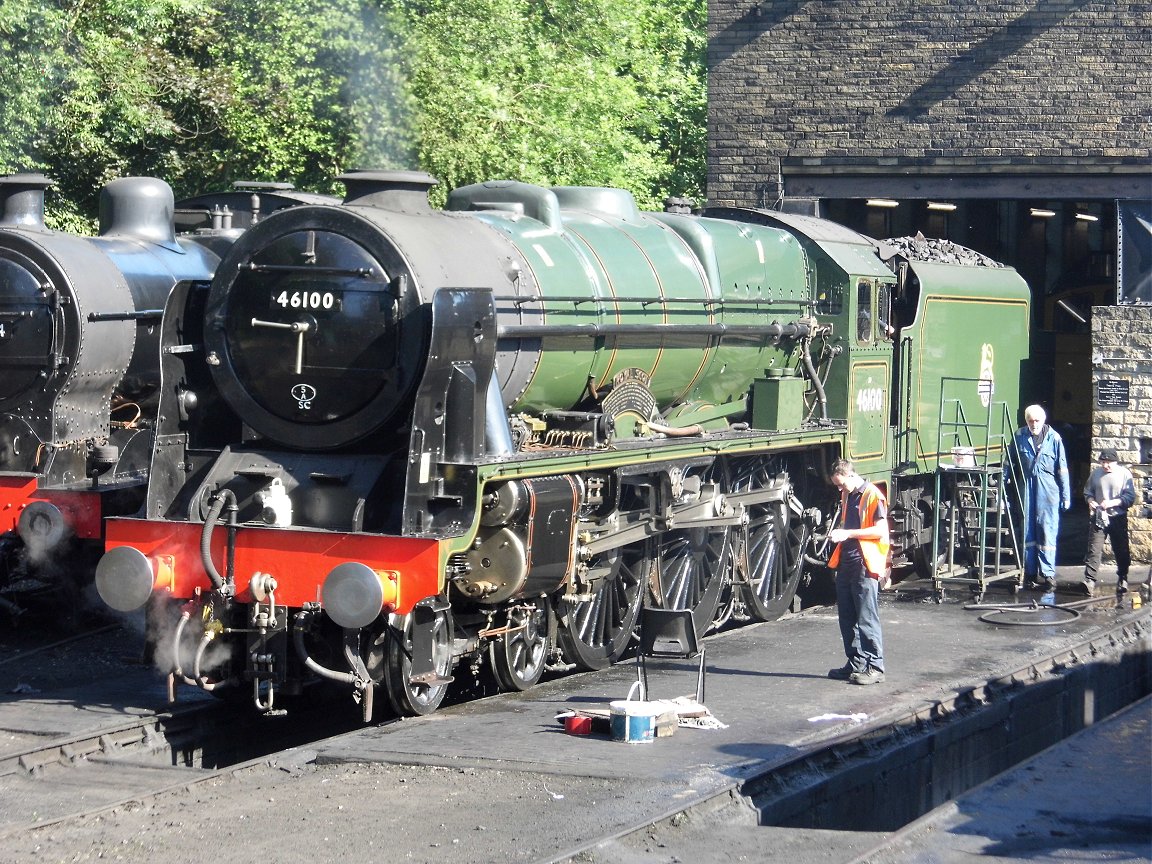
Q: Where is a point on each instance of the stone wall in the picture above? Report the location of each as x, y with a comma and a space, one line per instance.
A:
932, 85
1122, 360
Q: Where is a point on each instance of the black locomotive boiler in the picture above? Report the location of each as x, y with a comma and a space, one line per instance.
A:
79, 364
392, 440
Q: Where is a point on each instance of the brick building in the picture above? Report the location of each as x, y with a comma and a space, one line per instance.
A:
1020, 128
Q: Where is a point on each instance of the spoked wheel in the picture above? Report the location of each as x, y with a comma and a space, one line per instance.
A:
412, 689
596, 626
768, 559
691, 566
519, 655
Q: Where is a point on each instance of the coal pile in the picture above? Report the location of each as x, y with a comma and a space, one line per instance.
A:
921, 248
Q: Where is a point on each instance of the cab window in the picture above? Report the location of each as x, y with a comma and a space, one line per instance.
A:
864, 311
885, 326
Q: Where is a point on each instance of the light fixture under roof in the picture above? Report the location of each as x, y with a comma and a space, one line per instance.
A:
1087, 217
1041, 213
882, 202
940, 205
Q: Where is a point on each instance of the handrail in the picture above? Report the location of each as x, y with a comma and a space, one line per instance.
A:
991, 445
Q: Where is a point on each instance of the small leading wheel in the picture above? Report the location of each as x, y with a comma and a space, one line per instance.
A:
413, 689
596, 624
518, 656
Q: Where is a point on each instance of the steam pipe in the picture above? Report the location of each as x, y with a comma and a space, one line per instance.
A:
772, 331
302, 618
677, 431
201, 679
177, 669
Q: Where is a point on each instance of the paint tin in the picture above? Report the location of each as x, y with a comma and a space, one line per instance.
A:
964, 457
634, 720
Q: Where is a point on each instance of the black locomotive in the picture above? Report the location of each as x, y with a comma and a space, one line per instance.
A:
79, 363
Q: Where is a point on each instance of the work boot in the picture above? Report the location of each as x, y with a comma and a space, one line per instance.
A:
1121, 586
1089, 587
843, 673
871, 675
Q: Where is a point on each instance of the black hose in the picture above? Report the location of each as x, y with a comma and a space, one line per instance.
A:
810, 368
218, 502
302, 619
1004, 608
988, 619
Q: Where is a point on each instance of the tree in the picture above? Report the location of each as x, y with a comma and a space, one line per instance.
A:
206, 92
199, 92
594, 92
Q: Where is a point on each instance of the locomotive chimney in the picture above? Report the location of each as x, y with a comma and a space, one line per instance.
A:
403, 191
22, 200
141, 208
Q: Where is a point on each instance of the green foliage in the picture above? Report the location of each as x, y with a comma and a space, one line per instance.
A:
561, 92
206, 92
199, 92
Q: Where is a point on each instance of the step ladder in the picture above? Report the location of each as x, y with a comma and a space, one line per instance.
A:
977, 507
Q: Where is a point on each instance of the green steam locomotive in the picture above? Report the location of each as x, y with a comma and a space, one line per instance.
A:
395, 441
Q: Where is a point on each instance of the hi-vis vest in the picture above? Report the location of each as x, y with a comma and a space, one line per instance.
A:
875, 552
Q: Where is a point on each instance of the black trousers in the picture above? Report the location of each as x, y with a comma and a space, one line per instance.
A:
1117, 532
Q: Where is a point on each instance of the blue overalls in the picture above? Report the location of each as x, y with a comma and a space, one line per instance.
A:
1046, 491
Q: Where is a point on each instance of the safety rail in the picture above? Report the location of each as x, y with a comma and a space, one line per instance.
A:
977, 502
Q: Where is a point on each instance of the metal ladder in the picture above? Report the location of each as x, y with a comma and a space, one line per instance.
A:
976, 502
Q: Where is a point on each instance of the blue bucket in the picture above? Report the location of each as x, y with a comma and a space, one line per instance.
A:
633, 720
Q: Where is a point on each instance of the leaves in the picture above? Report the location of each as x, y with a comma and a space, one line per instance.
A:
560, 92
206, 92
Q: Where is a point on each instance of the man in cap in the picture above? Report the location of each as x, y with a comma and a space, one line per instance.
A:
1109, 493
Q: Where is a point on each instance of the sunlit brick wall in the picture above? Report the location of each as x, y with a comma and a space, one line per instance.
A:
1019, 84
1122, 352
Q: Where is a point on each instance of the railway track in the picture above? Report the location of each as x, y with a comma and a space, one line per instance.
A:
117, 760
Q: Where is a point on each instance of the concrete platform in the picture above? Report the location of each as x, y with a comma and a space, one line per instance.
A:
1032, 685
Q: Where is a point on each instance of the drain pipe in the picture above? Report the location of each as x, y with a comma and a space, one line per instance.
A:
810, 368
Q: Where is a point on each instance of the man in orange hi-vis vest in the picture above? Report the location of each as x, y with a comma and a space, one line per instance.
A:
860, 559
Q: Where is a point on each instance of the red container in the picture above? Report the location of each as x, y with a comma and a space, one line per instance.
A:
577, 725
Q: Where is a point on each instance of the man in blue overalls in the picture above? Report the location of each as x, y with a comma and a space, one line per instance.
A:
1047, 491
